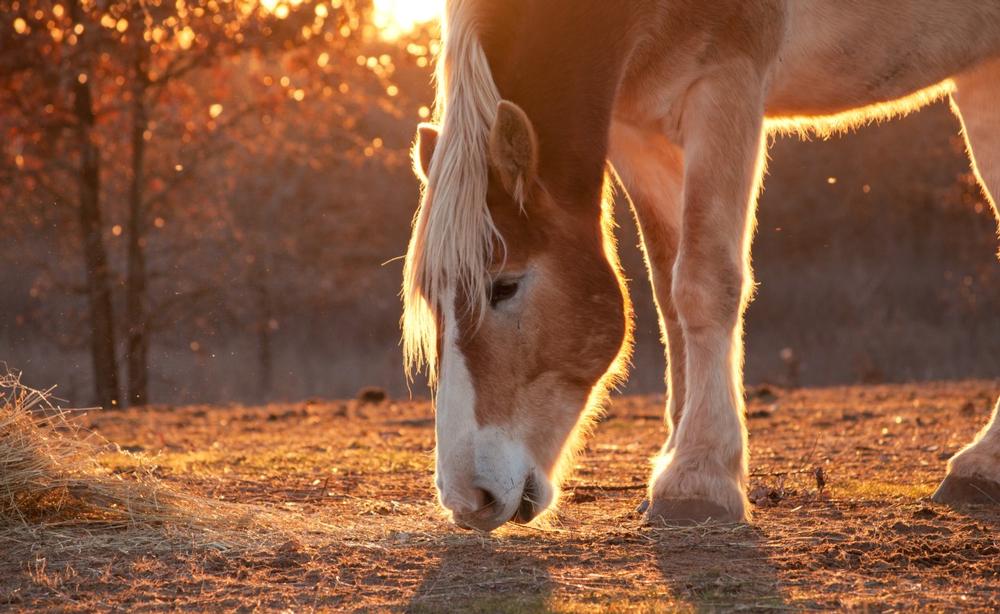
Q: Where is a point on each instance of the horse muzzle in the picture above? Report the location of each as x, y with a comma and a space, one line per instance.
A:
493, 509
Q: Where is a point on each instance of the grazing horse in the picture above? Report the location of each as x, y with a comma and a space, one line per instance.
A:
514, 300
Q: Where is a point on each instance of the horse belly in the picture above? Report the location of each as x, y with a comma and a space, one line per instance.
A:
839, 56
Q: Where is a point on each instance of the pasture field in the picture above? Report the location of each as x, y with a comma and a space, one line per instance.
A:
331, 507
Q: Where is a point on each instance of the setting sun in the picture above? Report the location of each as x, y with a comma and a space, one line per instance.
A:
397, 17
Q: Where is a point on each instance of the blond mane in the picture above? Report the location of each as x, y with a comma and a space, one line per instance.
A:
453, 233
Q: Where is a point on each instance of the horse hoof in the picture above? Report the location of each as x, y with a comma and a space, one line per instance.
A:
956, 489
687, 512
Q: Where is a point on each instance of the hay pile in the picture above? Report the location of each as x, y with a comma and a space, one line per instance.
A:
54, 489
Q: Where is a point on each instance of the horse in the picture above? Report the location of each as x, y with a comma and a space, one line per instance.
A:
514, 300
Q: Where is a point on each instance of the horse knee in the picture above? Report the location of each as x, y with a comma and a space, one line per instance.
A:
708, 295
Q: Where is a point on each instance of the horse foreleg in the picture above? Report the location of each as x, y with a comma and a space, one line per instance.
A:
651, 169
704, 475
974, 473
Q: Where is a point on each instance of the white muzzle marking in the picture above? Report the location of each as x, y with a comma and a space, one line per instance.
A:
470, 458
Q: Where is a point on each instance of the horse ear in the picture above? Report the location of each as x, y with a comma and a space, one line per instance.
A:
427, 138
514, 149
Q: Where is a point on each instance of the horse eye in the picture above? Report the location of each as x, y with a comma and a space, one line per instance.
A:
501, 291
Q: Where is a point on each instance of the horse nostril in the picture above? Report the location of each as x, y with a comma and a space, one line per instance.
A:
528, 508
486, 500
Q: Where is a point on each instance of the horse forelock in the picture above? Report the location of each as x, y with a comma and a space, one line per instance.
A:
453, 233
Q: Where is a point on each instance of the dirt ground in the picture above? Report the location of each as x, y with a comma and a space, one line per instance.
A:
841, 480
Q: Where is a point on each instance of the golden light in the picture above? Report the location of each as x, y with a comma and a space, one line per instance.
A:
394, 18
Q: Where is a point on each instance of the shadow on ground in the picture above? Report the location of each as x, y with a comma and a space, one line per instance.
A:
719, 568
473, 573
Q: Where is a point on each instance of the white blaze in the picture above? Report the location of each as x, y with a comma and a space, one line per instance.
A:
471, 457
455, 421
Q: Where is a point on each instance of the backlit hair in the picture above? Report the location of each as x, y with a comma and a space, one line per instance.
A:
453, 233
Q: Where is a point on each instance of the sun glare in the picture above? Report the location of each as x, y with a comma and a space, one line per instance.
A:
395, 18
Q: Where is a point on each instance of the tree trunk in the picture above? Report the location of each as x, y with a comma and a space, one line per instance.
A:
137, 346
265, 359
95, 256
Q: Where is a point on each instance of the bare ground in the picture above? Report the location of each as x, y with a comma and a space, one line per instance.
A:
355, 525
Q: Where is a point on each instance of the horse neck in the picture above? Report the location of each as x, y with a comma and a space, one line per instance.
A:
562, 61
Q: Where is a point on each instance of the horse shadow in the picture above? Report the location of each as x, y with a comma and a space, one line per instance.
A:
716, 568
479, 573
703, 568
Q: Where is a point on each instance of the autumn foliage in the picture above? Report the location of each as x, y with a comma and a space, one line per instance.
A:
143, 138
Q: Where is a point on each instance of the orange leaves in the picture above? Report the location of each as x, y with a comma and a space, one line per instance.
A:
110, 22
185, 37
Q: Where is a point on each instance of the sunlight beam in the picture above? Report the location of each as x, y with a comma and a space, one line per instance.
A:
394, 18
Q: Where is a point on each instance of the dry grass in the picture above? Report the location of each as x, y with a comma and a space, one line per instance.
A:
54, 490
50, 475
